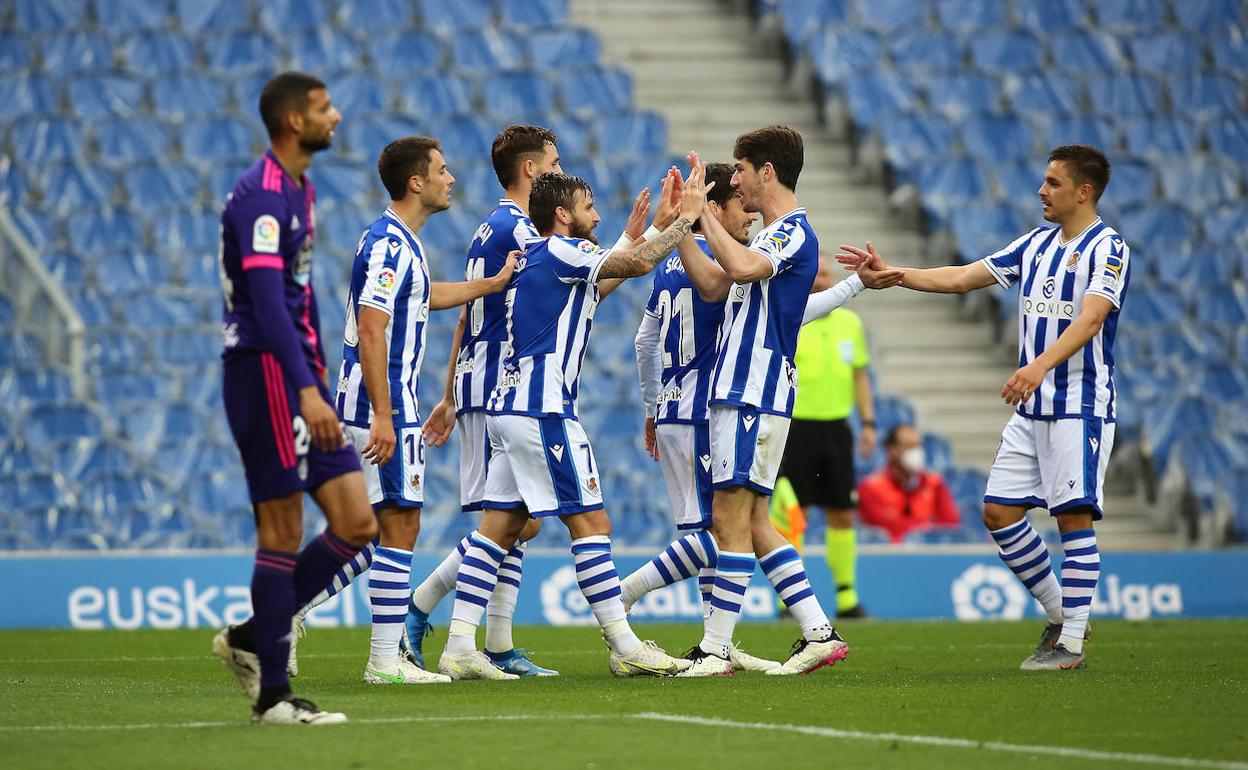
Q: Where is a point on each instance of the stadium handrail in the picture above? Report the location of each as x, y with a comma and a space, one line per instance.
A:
64, 341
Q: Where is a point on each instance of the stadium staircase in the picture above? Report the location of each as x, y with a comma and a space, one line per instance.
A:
713, 69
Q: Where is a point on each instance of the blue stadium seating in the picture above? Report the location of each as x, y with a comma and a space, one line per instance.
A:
1198, 183
197, 16
894, 15
527, 14
1161, 137
573, 135
15, 52
487, 49
518, 96
41, 140
122, 142
875, 97
1167, 52
561, 47
68, 186
1228, 137
35, 16
285, 16
449, 19
73, 53
102, 96
131, 15
1008, 50
909, 138
218, 139
400, 54
1206, 94
837, 57
184, 94
130, 270
1229, 47
363, 14
159, 53
1206, 16
1044, 94
157, 186
28, 95
242, 53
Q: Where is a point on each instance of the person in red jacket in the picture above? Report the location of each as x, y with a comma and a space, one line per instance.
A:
902, 495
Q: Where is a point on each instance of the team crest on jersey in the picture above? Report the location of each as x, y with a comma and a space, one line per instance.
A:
592, 484
416, 480
265, 234
1072, 263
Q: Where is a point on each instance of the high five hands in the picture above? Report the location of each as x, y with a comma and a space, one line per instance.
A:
870, 266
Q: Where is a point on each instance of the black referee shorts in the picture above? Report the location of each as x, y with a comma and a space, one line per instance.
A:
819, 463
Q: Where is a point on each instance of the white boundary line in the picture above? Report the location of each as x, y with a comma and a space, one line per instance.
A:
821, 732
958, 743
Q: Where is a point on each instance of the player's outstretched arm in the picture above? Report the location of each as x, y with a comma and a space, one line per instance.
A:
447, 294
634, 233
1091, 318
642, 258
706, 275
371, 324
441, 421
951, 279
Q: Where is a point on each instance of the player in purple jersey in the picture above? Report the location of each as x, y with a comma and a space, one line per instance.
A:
277, 399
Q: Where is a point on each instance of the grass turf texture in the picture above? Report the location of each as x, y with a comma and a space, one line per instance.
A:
1171, 688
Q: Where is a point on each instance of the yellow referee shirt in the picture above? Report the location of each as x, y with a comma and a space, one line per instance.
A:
828, 351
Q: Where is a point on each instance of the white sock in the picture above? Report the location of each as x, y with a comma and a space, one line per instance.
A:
600, 585
1080, 571
389, 583
502, 607
477, 577
681, 560
1025, 553
732, 575
706, 584
787, 575
441, 581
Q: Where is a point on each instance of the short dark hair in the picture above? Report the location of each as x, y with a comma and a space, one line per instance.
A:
891, 439
550, 191
284, 93
513, 144
781, 146
1086, 164
403, 159
721, 175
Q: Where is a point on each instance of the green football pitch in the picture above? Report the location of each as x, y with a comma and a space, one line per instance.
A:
910, 695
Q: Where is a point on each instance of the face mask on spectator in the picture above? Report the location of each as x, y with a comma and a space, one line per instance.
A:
914, 459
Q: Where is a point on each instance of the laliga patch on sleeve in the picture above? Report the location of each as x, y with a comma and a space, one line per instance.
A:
265, 234
384, 284
586, 247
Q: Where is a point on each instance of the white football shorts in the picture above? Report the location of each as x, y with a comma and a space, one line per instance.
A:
542, 463
1054, 464
474, 457
685, 457
400, 482
746, 447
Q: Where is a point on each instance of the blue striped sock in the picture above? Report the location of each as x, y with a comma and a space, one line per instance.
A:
732, 575
787, 575
600, 585
478, 574
502, 606
1025, 553
389, 584
706, 584
1080, 571
442, 580
344, 577
682, 559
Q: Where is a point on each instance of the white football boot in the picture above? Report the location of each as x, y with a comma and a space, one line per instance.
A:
401, 671
471, 665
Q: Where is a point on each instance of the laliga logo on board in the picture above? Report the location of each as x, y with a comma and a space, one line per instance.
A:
562, 601
986, 592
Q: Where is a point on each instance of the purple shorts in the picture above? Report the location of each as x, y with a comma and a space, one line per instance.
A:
272, 437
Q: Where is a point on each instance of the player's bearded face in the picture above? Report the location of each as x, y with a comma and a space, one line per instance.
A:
320, 120
584, 218
736, 220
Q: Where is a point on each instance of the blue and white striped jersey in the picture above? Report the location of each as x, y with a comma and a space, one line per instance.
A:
390, 275
506, 229
688, 331
1054, 277
550, 311
754, 363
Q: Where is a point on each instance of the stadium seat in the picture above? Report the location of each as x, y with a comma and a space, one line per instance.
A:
527, 14
1043, 94
959, 96
1088, 50
1206, 460
573, 136
1152, 307
356, 95
106, 227
104, 96
189, 232
198, 16
130, 270
54, 422
1226, 306
518, 96
894, 15
596, 91
1083, 129
948, 183
89, 460
131, 15
911, 138
466, 136
116, 350
633, 134
343, 181
132, 386
7, 314
22, 387
1206, 94
187, 347
427, 97
1131, 15
184, 95
242, 53
980, 230
1227, 382
487, 50
14, 185
211, 493
111, 494
558, 48
967, 16
40, 140
1167, 52
219, 139
166, 185
999, 137
282, 17
360, 14
943, 535
15, 52
73, 53
17, 460
1228, 225
157, 54
26, 95
400, 54
1133, 182
122, 142
38, 16
838, 56
1198, 183
223, 176
877, 96
1005, 50
1229, 48
452, 19
1053, 15
69, 186
921, 51
1163, 228
1124, 94
1161, 137
1208, 16
1228, 137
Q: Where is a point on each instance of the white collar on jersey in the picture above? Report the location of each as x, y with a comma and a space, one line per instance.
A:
390, 213
1062, 244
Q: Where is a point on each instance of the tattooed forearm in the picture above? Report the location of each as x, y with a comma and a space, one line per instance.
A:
641, 259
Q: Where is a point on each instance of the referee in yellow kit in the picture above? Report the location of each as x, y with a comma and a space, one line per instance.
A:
818, 463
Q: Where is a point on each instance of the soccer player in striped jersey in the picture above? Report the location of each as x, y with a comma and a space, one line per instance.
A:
384, 343
541, 462
676, 346
520, 154
277, 399
1054, 450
